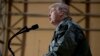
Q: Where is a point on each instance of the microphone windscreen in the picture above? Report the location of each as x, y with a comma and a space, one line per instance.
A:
35, 27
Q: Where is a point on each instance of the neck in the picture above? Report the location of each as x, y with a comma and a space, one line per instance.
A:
61, 18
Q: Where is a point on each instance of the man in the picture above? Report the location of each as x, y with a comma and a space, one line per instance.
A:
68, 39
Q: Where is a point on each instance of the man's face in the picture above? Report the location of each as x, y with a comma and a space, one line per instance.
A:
54, 16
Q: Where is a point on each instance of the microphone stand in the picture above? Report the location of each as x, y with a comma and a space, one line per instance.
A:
24, 29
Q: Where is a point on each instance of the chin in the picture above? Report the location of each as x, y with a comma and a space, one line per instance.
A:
52, 22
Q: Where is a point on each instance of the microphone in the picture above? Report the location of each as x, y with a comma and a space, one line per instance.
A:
33, 27
25, 29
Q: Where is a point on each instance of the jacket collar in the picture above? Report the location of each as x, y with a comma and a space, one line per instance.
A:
62, 22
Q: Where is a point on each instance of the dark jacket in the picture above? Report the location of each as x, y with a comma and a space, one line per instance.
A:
68, 40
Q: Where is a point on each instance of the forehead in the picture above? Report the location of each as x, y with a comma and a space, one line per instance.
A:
52, 9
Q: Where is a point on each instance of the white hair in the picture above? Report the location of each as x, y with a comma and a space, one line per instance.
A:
61, 6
